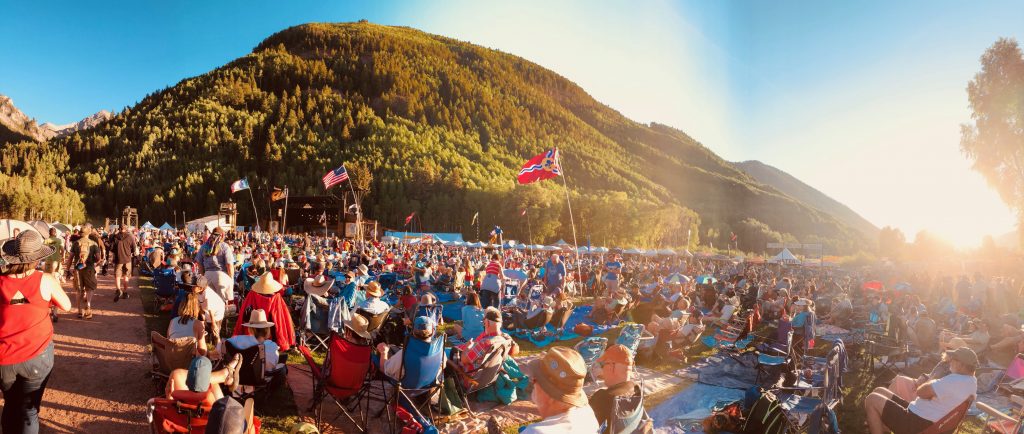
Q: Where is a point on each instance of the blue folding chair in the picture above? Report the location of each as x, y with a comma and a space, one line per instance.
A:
812, 409
421, 378
630, 336
591, 349
166, 290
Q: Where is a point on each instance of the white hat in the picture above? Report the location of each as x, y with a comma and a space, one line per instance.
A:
258, 320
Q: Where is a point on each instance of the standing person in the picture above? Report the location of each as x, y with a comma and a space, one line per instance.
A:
52, 264
26, 332
86, 253
612, 270
124, 252
216, 261
558, 394
554, 275
490, 286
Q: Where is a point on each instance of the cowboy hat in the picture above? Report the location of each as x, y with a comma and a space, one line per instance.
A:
258, 320
26, 248
317, 283
362, 269
359, 325
373, 289
266, 285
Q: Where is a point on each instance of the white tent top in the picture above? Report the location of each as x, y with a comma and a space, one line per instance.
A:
561, 243
520, 247
687, 253
784, 257
166, 227
7, 227
667, 252
599, 250
633, 251
207, 223
147, 225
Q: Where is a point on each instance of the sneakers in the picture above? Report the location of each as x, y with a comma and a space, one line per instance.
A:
117, 296
124, 295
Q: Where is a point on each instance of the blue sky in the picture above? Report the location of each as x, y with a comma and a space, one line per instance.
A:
862, 100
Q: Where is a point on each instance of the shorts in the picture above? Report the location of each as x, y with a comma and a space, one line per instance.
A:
611, 286
900, 419
51, 267
87, 279
122, 270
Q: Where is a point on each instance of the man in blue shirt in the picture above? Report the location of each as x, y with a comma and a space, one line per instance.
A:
554, 275
612, 269
348, 290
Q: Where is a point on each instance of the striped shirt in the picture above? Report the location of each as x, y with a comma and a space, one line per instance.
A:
493, 268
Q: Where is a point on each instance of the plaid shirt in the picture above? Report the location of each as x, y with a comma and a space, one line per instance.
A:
474, 351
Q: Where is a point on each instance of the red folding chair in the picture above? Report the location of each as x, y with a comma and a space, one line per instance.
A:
951, 422
342, 378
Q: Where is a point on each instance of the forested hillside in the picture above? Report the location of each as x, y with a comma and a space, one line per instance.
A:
443, 125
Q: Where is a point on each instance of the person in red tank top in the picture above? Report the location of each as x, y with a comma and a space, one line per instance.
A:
26, 331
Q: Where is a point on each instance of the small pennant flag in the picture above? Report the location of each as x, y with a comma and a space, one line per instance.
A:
278, 194
409, 219
474, 218
241, 184
323, 218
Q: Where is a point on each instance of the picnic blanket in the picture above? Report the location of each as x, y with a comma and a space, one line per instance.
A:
579, 315
682, 413
737, 372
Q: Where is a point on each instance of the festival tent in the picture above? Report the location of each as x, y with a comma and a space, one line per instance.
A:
583, 249
633, 252
784, 257
41, 227
561, 243
551, 248
7, 227
63, 228
667, 252
687, 253
207, 223
520, 246
148, 226
519, 275
739, 258
599, 250
166, 227
651, 252
477, 244
435, 235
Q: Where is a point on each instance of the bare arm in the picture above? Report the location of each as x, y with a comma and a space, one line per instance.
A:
51, 290
925, 391
199, 331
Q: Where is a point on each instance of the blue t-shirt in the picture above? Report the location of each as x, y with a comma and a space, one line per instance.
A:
612, 266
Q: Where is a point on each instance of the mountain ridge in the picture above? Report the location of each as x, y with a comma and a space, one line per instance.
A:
16, 125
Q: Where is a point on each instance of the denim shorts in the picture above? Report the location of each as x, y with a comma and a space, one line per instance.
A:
36, 368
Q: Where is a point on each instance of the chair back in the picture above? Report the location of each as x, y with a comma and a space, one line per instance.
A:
785, 327
346, 366
421, 361
254, 359
433, 311
488, 372
171, 355
628, 413
294, 275
591, 349
630, 336
375, 321
952, 420
163, 282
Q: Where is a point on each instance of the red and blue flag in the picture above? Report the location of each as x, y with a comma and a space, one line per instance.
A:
540, 167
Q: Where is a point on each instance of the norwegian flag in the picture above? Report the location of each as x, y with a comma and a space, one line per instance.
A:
335, 177
540, 167
409, 219
732, 236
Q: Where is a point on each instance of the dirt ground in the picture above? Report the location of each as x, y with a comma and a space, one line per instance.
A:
97, 383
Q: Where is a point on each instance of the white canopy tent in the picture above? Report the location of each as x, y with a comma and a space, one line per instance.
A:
667, 252
7, 227
784, 257
207, 223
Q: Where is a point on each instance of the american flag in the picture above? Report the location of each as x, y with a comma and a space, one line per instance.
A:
335, 177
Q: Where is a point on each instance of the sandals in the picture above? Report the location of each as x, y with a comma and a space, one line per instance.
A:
232, 368
88, 314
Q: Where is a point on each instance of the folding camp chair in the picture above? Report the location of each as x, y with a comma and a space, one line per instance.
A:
483, 376
164, 286
773, 359
812, 409
536, 326
343, 377
951, 422
421, 379
630, 336
885, 350
254, 380
433, 311
186, 412
169, 355
1011, 380
628, 413
314, 326
1002, 423
591, 349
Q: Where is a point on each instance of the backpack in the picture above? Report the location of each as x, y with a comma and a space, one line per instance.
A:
629, 415
766, 416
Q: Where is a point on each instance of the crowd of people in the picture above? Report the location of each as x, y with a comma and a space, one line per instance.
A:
383, 294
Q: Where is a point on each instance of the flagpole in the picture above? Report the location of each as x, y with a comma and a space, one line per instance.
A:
284, 220
528, 226
572, 221
254, 208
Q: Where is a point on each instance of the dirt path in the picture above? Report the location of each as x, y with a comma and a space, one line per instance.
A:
98, 382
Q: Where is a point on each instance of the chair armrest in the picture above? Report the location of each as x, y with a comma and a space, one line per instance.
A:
987, 409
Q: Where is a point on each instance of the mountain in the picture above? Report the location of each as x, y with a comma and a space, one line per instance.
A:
15, 126
792, 187
442, 126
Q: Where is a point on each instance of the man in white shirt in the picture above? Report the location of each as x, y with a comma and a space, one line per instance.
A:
934, 399
558, 394
373, 304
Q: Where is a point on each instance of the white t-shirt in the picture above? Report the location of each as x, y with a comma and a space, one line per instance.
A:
727, 311
243, 342
950, 391
578, 420
214, 303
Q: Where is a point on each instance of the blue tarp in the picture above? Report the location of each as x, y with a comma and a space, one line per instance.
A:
450, 237
690, 406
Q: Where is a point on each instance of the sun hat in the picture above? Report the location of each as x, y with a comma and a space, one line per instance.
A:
617, 353
258, 320
266, 285
362, 269
27, 247
199, 371
964, 355
559, 372
359, 325
373, 289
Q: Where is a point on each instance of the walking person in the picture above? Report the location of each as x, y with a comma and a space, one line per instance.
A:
490, 286
86, 253
124, 249
26, 332
216, 261
52, 264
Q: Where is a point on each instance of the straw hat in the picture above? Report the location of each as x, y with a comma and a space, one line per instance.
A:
27, 247
359, 325
560, 372
373, 289
317, 283
258, 320
266, 285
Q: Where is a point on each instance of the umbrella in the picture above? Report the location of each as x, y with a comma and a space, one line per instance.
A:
903, 286
519, 275
874, 285
7, 227
706, 279
677, 279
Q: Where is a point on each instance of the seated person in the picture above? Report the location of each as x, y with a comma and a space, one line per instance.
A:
391, 360
522, 320
258, 332
521, 304
210, 302
373, 305
931, 400
976, 339
841, 314
616, 370
356, 330
348, 289
470, 327
608, 310
558, 394
473, 352
200, 377
188, 323
319, 285
1011, 338
724, 308
924, 334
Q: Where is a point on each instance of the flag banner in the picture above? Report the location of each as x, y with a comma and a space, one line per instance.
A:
335, 177
241, 184
540, 167
409, 219
474, 218
732, 236
496, 231
278, 194
323, 218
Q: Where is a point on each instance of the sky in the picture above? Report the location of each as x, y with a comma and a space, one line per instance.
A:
861, 100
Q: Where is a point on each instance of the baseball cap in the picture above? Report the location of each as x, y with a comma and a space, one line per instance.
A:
492, 314
617, 353
199, 371
424, 323
964, 355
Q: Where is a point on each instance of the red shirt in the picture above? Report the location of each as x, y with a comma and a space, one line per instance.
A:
25, 329
493, 268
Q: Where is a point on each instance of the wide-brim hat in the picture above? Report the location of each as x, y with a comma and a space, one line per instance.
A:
27, 247
362, 269
258, 320
266, 285
359, 325
318, 282
374, 289
560, 373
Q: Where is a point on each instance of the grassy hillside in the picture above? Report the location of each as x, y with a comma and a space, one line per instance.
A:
443, 125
